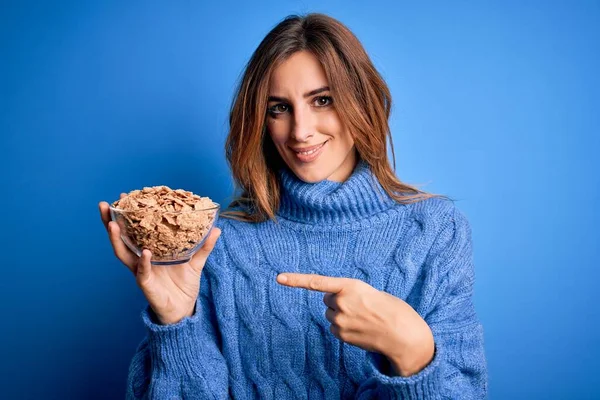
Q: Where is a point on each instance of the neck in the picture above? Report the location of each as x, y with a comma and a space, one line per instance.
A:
330, 202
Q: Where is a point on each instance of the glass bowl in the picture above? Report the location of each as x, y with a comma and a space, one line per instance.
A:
173, 237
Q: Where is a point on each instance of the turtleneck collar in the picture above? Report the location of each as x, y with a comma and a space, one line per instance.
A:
329, 202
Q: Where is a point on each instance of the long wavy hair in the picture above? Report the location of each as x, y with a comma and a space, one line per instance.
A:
362, 100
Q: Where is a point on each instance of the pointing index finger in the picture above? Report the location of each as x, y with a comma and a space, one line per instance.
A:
320, 283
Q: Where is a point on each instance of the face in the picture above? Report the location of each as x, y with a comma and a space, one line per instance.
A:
304, 125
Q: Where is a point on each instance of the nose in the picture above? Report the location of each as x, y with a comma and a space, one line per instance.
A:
303, 127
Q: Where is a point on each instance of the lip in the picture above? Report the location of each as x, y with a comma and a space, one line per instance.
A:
308, 158
308, 148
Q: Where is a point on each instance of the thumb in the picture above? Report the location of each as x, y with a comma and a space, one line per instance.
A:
144, 268
199, 259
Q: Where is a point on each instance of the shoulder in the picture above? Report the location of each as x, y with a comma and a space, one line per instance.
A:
233, 230
450, 252
443, 230
237, 244
437, 214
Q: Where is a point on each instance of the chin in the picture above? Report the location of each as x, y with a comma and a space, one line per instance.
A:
313, 180
312, 176
308, 178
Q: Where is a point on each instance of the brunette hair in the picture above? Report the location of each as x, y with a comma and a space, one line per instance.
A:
361, 97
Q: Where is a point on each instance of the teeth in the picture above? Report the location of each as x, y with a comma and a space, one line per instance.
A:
310, 151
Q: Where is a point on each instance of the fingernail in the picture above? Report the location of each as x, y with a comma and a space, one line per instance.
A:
282, 278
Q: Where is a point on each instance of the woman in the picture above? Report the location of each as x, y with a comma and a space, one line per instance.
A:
330, 278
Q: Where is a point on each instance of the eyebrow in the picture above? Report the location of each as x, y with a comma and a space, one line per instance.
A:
311, 93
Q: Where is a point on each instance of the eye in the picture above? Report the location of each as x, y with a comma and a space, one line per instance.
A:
323, 101
278, 109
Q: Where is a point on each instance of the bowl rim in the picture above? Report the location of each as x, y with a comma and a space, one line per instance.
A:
120, 210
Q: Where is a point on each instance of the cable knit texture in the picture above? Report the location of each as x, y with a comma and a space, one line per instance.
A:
252, 338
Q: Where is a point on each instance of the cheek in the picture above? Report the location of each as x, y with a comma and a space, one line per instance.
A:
342, 133
278, 130
348, 139
331, 124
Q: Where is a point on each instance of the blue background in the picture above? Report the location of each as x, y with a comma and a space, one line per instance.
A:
495, 105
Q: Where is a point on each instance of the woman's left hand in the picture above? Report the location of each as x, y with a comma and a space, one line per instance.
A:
372, 320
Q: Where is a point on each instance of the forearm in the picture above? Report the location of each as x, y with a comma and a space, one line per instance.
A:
179, 360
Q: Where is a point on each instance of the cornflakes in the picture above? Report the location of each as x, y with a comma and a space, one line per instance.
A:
167, 222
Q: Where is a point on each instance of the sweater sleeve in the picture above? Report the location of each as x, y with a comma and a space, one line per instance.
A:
181, 360
458, 369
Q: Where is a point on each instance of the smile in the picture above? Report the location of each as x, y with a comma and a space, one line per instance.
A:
310, 155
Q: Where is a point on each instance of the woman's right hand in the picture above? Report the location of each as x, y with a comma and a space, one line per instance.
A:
171, 290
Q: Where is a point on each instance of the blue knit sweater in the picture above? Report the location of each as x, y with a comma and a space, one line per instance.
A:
252, 338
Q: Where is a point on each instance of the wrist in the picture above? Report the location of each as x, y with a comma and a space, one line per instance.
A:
171, 320
409, 366
415, 360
